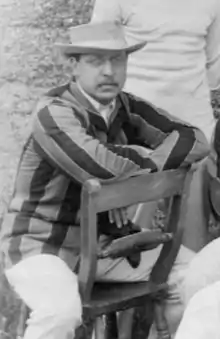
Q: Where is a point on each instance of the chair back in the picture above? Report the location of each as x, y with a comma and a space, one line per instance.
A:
98, 197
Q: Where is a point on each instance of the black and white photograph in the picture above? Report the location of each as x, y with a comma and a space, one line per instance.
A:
110, 169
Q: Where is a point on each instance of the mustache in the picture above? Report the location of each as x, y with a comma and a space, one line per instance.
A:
108, 83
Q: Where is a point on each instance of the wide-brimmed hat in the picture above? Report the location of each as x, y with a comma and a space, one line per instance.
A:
98, 36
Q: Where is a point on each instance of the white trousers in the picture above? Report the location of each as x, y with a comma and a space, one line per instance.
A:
50, 289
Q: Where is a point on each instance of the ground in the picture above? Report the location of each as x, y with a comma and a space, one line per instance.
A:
29, 65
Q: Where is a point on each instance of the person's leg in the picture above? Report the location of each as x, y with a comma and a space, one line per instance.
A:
195, 234
50, 289
120, 270
202, 315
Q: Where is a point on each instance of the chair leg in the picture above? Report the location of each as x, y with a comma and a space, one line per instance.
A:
125, 323
23, 316
99, 328
160, 319
143, 319
111, 328
85, 331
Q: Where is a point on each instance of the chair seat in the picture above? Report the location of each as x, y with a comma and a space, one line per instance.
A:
111, 297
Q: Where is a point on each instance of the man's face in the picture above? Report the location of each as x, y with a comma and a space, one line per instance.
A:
101, 75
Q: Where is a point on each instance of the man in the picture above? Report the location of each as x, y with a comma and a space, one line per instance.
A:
87, 128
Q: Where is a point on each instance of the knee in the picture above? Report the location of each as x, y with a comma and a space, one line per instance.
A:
70, 310
65, 311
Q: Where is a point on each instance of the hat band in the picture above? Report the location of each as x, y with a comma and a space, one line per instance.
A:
101, 44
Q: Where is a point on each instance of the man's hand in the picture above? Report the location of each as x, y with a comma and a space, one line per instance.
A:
118, 216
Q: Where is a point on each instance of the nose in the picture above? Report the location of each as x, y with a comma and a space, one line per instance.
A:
107, 68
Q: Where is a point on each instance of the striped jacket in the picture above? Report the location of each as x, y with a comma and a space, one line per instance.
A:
70, 143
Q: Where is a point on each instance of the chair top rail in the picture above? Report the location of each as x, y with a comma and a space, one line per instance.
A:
143, 188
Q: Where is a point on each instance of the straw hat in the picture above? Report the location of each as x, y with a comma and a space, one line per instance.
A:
95, 37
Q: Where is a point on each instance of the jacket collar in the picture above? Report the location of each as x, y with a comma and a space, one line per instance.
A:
73, 97
98, 106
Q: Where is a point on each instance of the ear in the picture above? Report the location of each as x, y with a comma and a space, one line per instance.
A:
74, 64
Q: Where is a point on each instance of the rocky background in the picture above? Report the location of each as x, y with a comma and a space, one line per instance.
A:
29, 66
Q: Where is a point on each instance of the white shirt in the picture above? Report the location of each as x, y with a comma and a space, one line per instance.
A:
104, 110
181, 60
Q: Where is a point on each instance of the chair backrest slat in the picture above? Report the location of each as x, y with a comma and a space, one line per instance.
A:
88, 240
170, 250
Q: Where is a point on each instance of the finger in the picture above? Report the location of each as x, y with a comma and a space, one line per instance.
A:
124, 216
110, 216
117, 218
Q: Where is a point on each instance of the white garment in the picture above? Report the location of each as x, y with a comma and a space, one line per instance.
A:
201, 292
181, 59
203, 271
201, 319
50, 289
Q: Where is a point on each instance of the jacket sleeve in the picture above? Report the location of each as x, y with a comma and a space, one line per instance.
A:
180, 144
213, 49
60, 137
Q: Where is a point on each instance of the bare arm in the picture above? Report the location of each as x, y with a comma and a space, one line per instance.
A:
107, 10
213, 49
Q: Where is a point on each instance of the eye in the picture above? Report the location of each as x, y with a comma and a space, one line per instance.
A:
118, 58
96, 61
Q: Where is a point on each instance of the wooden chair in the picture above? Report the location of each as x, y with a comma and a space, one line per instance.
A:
108, 298
101, 301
